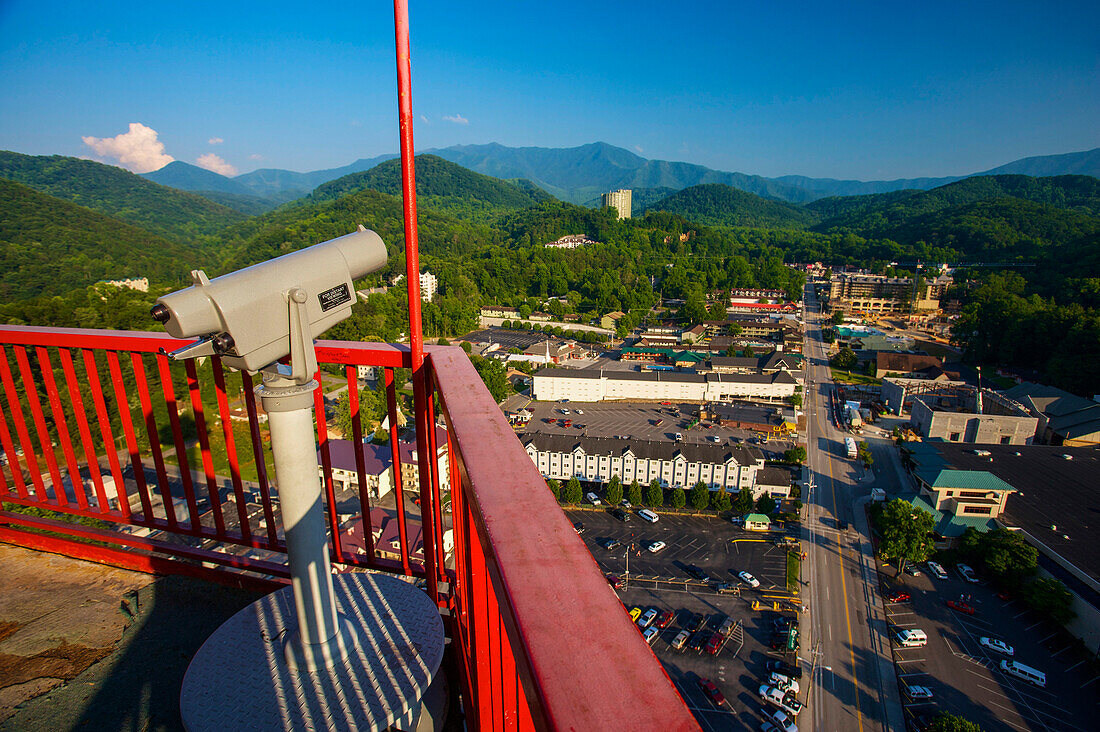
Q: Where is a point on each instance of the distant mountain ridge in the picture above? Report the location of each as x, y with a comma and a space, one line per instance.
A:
580, 174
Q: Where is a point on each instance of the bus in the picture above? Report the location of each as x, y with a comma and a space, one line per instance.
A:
850, 446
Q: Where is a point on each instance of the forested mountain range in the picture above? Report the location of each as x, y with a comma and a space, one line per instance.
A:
715, 204
50, 247
440, 185
167, 212
580, 174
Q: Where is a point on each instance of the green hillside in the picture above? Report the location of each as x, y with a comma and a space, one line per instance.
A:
881, 214
716, 204
49, 247
167, 212
440, 185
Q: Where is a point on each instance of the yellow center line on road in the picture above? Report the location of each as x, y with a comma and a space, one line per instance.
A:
843, 583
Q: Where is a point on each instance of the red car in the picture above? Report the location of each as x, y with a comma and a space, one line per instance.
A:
615, 581
666, 618
896, 596
960, 607
715, 644
712, 692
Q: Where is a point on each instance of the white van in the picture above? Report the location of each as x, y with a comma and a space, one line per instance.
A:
648, 515
1027, 673
911, 637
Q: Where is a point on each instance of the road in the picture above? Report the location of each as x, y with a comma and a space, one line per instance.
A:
854, 687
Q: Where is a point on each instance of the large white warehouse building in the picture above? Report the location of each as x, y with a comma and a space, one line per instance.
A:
593, 385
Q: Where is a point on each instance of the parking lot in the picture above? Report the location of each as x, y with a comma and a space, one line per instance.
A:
660, 581
643, 421
965, 678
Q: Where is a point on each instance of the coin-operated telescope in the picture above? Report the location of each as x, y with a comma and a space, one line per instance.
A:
255, 316
251, 319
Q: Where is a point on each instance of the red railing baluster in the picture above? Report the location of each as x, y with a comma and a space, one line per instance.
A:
153, 434
212, 490
231, 450
352, 376
53, 397
132, 449
168, 389
44, 439
5, 435
259, 456
326, 468
91, 371
437, 499
77, 404
398, 479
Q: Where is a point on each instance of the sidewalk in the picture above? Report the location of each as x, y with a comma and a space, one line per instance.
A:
877, 621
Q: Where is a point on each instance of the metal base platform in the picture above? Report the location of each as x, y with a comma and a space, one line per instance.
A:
240, 680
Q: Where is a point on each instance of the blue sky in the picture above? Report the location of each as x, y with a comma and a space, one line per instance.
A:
867, 90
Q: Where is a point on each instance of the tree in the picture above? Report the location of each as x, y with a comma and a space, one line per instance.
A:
838, 318
654, 496
795, 400
700, 496
494, 374
634, 495
945, 722
614, 490
765, 504
573, 491
905, 531
743, 503
372, 407
845, 359
1049, 598
736, 330
555, 488
443, 342
717, 310
1007, 556
863, 452
720, 500
748, 352
677, 498
796, 454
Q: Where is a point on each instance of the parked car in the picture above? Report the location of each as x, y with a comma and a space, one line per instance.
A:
725, 588
998, 645
647, 620
578, 527
911, 569
563, 411
611, 544
727, 626
779, 698
712, 692
665, 619
918, 693
626, 504
615, 581
656, 546
698, 640
936, 570
967, 573
786, 683
748, 579
620, 514
593, 499
650, 635
579, 411
680, 640
782, 667
783, 722
698, 573
635, 613
896, 596
961, 607
715, 644
695, 622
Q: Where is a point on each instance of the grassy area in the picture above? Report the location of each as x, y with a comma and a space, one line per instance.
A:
793, 566
245, 459
841, 376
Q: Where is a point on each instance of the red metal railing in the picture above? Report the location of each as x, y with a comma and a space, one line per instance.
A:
101, 425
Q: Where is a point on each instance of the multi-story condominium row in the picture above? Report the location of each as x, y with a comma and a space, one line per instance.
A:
599, 385
880, 294
674, 464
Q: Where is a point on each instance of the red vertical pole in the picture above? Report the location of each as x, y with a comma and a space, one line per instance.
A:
412, 276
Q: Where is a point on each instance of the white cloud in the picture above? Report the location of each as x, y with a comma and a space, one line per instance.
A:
639, 148
138, 150
425, 120
255, 156
458, 119
212, 162
215, 141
